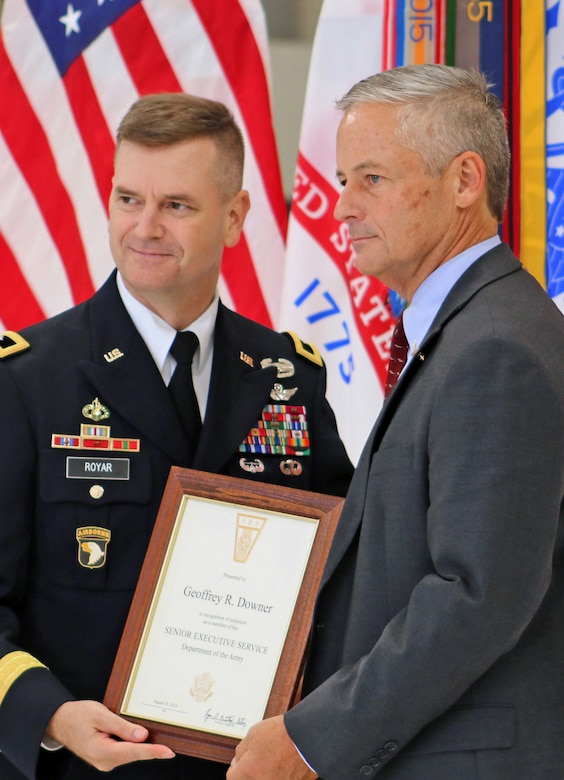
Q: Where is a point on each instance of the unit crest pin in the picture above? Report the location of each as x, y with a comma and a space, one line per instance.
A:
291, 468
96, 411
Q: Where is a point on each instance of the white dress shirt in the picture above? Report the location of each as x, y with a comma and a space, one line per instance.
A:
158, 335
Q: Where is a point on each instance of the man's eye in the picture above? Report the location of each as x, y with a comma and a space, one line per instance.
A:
176, 206
374, 178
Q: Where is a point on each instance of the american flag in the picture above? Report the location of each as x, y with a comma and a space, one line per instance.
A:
68, 73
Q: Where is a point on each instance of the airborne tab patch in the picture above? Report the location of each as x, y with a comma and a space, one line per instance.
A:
11, 343
92, 546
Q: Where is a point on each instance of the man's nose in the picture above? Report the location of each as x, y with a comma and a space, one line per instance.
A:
347, 206
149, 224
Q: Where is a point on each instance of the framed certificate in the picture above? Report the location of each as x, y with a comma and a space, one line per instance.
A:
216, 635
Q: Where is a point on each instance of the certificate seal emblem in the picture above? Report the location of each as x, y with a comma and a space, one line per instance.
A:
249, 528
202, 688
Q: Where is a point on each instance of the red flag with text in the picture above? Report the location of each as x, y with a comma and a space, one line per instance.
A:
68, 73
350, 317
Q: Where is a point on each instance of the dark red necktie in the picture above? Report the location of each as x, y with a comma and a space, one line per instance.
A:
398, 356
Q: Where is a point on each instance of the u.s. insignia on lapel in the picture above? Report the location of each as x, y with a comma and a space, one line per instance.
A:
113, 354
92, 546
246, 359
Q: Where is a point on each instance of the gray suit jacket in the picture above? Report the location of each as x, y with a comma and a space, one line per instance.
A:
438, 643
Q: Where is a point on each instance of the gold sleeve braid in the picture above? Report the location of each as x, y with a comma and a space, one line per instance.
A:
12, 666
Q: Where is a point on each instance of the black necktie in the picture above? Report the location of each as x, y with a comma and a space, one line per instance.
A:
181, 385
398, 355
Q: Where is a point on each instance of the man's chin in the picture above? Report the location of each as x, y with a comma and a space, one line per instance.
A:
366, 264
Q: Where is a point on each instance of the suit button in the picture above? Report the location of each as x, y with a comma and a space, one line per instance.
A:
390, 746
368, 768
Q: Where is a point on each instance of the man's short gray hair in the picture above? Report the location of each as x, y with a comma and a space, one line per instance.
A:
444, 111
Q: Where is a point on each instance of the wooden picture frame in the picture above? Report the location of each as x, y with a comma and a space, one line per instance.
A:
219, 623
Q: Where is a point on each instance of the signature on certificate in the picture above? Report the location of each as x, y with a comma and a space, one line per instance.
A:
222, 719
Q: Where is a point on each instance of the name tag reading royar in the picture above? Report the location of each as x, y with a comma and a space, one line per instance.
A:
101, 468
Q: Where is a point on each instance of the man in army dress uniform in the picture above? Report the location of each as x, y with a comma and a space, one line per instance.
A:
90, 431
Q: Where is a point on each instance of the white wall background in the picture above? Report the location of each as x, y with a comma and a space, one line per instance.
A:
291, 27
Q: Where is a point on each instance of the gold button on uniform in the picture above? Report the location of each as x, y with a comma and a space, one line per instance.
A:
96, 491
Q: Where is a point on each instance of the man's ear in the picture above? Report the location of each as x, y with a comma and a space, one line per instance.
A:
469, 172
237, 210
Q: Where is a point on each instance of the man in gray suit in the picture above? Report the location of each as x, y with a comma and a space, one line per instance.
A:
438, 642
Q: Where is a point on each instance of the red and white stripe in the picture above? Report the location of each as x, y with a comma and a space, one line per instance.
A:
57, 145
325, 299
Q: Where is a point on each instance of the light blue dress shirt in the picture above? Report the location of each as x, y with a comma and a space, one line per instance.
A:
431, 294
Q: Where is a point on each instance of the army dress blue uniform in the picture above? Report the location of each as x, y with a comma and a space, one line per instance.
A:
62, 611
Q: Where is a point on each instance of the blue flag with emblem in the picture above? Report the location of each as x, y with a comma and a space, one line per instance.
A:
555, 152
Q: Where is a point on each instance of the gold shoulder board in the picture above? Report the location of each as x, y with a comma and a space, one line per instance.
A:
11, 343
308, 351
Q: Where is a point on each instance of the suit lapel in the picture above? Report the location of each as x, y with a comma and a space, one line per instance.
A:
352, 513
495, 264
238, 393
125, 375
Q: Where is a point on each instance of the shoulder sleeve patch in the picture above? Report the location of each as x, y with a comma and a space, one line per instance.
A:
308, 351
11, 343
